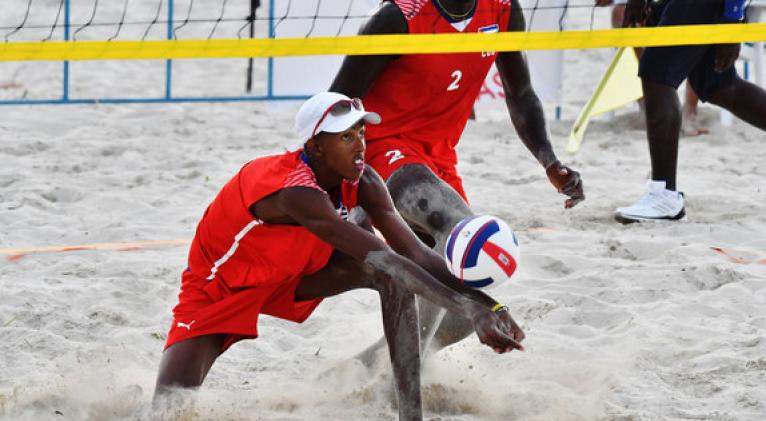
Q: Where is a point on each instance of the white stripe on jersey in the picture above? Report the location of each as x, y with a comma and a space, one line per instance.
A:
233, 248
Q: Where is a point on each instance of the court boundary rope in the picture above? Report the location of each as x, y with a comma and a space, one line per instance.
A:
16, 254
13, 254
382, 44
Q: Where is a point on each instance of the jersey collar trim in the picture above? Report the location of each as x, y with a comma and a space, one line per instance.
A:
449, 19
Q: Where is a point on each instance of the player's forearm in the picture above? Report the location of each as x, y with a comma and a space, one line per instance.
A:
420, 282
529, 120
434, 264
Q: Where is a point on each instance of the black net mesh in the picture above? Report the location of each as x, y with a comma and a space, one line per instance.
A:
44, 20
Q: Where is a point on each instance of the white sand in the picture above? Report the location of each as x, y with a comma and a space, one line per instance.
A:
623, 322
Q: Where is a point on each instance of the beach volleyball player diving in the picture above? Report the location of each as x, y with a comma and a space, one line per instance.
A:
278, 238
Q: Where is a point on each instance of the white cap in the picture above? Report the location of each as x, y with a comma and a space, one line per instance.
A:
318, 108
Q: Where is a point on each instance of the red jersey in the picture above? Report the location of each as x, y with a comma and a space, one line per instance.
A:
240, 267
427, 98
233, 247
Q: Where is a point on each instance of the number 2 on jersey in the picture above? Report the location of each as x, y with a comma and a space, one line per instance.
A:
394, 155
457, 75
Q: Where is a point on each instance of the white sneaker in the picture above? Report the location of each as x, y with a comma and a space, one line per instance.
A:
657, 203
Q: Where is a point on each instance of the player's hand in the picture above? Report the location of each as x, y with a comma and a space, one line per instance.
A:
514, 330
636, 12
725, 56
497, 331
604, 2
566, 181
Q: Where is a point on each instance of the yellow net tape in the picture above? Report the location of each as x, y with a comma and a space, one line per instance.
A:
382, 44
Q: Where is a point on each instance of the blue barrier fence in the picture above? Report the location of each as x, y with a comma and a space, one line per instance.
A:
168, 97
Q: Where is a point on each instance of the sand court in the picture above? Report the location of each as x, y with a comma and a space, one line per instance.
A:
646, 321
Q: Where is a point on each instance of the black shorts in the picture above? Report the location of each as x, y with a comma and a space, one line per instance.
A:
671, 65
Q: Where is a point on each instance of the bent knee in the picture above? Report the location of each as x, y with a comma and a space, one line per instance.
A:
431, 213
436, 220
390, 289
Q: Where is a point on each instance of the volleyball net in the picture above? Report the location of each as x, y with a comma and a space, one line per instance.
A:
175, 29
163, 30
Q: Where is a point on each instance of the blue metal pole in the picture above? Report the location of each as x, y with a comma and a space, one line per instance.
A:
272, 34
169, 63
65, 96
159, 100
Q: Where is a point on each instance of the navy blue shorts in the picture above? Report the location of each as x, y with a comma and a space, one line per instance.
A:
671, 65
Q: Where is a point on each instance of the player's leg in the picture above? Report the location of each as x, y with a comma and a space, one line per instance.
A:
662, 69
690, 123
186, 363
433, 207
400, 324
745, 100
400, 321
660, 201
663, 124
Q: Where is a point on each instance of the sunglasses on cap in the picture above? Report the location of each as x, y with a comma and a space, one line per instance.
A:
338, 109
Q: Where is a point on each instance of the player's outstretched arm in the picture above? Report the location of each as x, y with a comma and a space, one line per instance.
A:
529, 119
377, 203
312, 209
375, 199
358, 73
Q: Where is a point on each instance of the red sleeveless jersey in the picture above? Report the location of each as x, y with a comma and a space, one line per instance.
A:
427, 98
240, 267
232, 247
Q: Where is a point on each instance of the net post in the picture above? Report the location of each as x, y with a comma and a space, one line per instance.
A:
65, 94
270, 71
758, 63
169, 62
254, 4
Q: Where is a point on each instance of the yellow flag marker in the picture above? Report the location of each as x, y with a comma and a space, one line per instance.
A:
619, 86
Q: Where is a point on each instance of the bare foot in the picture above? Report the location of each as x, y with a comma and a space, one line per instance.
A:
691, 126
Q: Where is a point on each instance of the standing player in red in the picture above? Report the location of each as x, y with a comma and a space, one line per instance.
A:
425, 101
276, 240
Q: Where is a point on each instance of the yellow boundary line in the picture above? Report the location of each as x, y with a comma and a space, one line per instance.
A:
382, 44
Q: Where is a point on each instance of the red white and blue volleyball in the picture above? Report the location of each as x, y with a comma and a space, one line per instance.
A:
482, 251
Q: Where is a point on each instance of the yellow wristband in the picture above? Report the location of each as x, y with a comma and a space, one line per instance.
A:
499, 307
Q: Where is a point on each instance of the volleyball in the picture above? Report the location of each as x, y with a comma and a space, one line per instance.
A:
482, 251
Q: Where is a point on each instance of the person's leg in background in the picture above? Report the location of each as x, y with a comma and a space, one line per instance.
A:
662, 69
691, 124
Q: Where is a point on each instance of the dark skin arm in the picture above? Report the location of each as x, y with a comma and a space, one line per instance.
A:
374, 198
528, 118
636, 12
358, 73
313, 210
